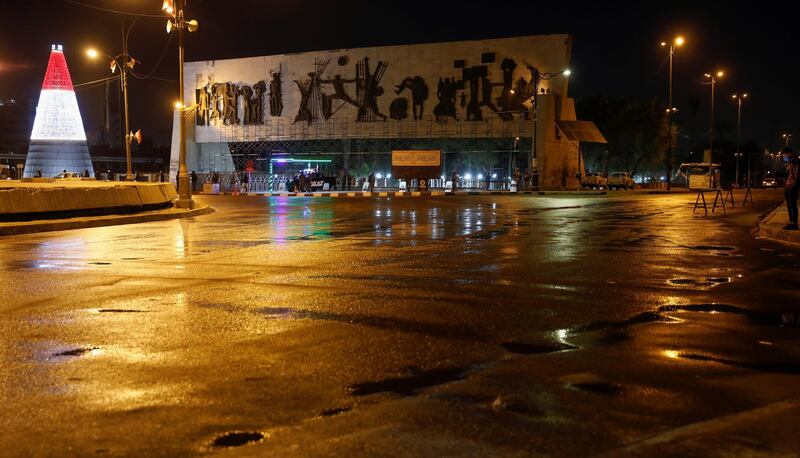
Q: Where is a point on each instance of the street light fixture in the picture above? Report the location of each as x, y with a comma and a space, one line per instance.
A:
676, 43
536, 78
180, 24
125, 63
739, 98
713, 82
787, 138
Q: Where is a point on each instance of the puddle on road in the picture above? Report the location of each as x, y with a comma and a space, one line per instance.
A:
711, 247
759, 318
604, 388
698, 282
782, 367
120, 311
334, 411
409, 385
644, 317
522, 348
237, 439
75, 352
489, 235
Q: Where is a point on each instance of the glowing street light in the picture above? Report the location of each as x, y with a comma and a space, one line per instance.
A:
676, 43
180, 24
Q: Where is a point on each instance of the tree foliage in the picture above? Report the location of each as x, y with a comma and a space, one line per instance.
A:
636, 131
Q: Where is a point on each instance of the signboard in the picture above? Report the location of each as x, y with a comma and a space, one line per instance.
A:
250, 166
416, 158
420, 164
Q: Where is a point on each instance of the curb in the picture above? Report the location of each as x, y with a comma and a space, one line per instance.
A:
28, 227
774, 230
346, 194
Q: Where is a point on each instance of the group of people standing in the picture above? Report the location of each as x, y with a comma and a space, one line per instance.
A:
524, 182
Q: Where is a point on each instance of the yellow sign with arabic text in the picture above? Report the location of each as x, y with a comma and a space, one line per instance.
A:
416, 158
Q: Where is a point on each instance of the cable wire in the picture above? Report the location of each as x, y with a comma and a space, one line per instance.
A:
109, 10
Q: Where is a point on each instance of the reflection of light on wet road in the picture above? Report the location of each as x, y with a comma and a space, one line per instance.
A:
671, 354
561, 336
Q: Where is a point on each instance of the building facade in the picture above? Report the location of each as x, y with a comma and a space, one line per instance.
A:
465, 98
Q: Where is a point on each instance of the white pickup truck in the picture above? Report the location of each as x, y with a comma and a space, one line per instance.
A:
594, 180
620, 180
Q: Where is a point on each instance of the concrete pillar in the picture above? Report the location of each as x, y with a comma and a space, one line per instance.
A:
557, 157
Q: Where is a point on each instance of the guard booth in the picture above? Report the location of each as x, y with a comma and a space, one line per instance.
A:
700, 175
420, 165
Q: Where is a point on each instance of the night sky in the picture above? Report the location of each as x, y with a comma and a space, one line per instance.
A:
616, 49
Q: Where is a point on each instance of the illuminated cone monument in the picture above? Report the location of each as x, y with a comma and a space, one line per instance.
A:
58, 141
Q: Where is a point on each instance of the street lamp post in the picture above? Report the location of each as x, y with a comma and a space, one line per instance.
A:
180, 24
678, 42
125, 63
787, 138
739, 99
536, 78
713, 82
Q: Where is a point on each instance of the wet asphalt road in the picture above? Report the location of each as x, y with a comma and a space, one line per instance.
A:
502, 325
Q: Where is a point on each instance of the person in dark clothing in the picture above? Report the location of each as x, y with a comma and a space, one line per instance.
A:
454, 179
194, 180
371, 182
792, 186
246, 182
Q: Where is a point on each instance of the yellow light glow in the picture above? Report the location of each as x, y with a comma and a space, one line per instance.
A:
720, 74
679, 40
567, 72
744, 96
178, 105
663, 43
671, 354
92, 53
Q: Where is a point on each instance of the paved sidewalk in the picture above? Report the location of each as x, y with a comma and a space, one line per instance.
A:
772, 226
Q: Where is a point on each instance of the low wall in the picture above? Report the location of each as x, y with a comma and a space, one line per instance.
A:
22, 199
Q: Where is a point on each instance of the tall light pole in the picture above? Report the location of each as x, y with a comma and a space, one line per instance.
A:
787, 138
180, 24
713, 82
536, 78
125, 63
676, 43
739, 99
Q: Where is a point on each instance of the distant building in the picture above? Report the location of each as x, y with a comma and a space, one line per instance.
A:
461, 98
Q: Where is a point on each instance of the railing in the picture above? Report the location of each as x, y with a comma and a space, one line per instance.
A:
260, 182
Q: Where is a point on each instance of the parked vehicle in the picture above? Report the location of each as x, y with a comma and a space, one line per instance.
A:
769, 183
69, 176
619, 180
594, 180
